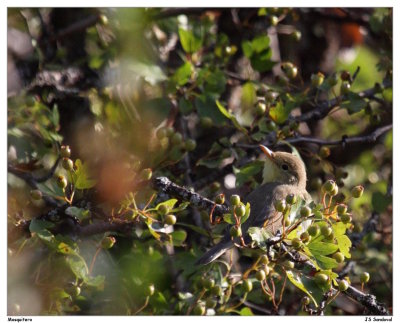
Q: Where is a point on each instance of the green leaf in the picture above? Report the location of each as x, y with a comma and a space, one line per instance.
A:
81, 176
388, 94
213, 81
181, 207
247, 172
65, 249
296, 280
354, 104
182, 74
247, 48
206, 107
79, 213
260, 43
259, 235
169, 204
229, 218
380, 202
39, 228
249, 96
322, 248
230, 117
195, 228
189, 41
344, 244
280, 112
178, 237
78, 267
325, 262
97, 281
245, 311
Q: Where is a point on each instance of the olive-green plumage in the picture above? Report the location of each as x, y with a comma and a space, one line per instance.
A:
283, 174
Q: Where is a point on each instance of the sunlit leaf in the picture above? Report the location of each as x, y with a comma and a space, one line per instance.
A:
296, 279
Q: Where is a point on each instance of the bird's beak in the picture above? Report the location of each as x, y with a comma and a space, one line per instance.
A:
270, 154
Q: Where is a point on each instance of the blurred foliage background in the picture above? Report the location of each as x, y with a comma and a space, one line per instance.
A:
186, 93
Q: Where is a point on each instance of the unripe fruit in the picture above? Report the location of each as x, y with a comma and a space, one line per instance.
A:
305, 237
317, 79
357, 191
321, 278
216, 290
296, 243
163, 209
326, 231
146, 174
169, 131
177, 138
289, 264
345, 218
343, 285
318, 215
264, 260
190, 145
235, 232
280, 205
305, 211
364, 277
235, 200
334, 191
206, 122
103, 20
161, 133
324, 152
108, 242
208, 283
199, 309
271, 126
291, 199
305, 300
296, 35
287, 222
149, 290
67, 163
170, 219
338, 256
36, 194
65, 151
164, 143
328, 186
333, 80
345, 87
273, 20
211, 303
260, 109
240, 210
30, 101
313, 230
260, 275
215, 186
247, 285
220, 199
341, 209
62, 181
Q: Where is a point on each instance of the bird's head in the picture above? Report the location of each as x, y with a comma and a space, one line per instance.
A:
283, 168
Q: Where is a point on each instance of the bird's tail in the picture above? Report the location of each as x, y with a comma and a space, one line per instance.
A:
215, 252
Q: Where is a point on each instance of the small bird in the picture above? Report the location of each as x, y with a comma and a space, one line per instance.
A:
283, 174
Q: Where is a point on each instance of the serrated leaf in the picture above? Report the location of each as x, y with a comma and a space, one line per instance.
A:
322, 248
81, 176
230, 117
295, 279
246, 311
189, 41
344, 244
259, 235
325, 262
279, 113
169, 204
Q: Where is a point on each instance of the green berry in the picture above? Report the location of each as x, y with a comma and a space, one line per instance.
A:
341, 209
318, 215
321, 278
177, 138
260, 275
273, 20
103, 20
296, 35
364, 277
36, 194
73, 290
190, 145
216, 290
343, 285
338, 256
328, 186
170, 219
326, 231
357, 191
211, 303
291, 199
305, 211
305, 237
67, 163
206, 122
333, 80
161, 133
164, 143
305, 300
208, 283
170, 131
296, 243
30, 101
65, 151
220, 199
271, 126
334, 191
287, 222
290, 70
324, 152
108, 242
289, 264
247, 285
240, 210
313, 230
260, 109
62, 181
163, 209
215, 186
235, 232
235, 200
149, 290
280, 205
345, 87
345, 218
146, 174
199, 309
317, 79
264, 260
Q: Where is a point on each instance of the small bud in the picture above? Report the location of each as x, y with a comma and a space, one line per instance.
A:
273, 20
67, 163
345, 76
264, 260
62, 181
206, 122
338, 256
216, 290
317, 79
305, 237
260, 109
108, 242
190, 145
364, 277
211, 303
220, 199
235, 232
270, 96
305, 300
313, 230
163, 209
177, 138
149, 290
324, 152
235, 200
170, 219
199, 309
208, 283
345, 87
328, 186
65, 151
260, 275
333, 80
296, 243
326, 231
240, 210
103, 20
215, 186
343, 285
289, 264
341, 209
161, 133
296, 35
247, 285
357, 191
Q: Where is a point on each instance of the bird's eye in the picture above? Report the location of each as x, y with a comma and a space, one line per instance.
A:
285, 167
